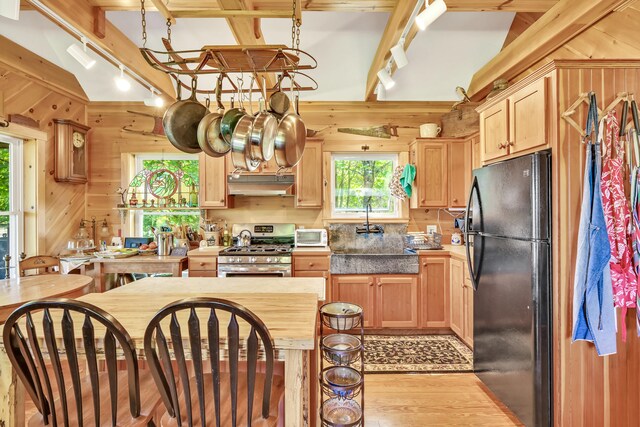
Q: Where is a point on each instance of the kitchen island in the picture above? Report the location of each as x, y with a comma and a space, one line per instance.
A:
287, 306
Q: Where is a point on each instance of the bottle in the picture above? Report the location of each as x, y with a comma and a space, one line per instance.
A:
226, 237
193, 197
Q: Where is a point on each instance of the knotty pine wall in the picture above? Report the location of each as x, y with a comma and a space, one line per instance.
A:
109, 142
65, 203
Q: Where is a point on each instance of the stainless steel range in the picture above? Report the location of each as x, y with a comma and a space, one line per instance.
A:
260, 250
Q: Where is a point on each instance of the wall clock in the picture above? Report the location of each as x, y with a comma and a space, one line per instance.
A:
71, 155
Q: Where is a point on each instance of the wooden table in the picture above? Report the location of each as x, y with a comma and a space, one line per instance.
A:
137, 264
287, 306
14, 293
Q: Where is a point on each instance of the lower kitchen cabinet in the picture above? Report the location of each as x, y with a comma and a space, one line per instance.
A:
467, 334
434, 292
456, 274
315, 265
203, 266
388, 301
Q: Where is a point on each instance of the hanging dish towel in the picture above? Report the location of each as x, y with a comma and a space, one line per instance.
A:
406, 180
618, 217
394, 185
593, 311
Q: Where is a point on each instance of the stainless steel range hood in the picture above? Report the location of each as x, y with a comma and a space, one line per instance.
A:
259, 185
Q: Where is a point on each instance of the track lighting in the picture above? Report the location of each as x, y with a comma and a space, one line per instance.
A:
381, 92
10, 9
80, 54
431, 12
385, 79
121, 81
154, 100
399, 55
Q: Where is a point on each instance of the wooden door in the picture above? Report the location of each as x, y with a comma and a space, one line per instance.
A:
468, 313
459, 173
434, 292
494, 131
432, 175
309, 177
456, 275
357, 290
213, 182
397, 301
528, 117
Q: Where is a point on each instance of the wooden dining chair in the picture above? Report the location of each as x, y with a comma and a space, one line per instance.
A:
198, 391
42, 263
42, 339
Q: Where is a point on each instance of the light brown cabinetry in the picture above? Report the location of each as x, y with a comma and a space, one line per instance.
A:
456, 274
388, 301
460, 165
314, 265
203, 266
516, 124
309, 176
467, 297
213, 182
434, 292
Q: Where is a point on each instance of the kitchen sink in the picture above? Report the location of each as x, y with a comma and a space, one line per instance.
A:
359, 263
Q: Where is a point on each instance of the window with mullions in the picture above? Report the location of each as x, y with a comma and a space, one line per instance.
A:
11, 212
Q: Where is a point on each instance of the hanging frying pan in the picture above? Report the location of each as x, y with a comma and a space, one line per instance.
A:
290, 139
230, 119
279, 102
180, 121
209, 136
240, 142
263, 132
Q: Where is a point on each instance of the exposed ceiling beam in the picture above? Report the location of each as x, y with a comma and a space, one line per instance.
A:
346, 5
561, 23
21, 61
211, 13
80, 15
392, 32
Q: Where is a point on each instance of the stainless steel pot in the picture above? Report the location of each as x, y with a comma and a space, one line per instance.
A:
209, 133
165, 243
290, 139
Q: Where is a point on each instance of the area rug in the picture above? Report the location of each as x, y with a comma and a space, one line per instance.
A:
421, 353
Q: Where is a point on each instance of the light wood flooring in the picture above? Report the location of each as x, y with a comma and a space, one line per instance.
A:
419, 400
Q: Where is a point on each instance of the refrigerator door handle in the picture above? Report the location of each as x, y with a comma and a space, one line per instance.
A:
467, 233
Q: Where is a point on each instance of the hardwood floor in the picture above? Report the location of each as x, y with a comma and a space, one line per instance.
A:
418, 400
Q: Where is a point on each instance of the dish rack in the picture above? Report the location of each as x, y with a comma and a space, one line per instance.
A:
341, 365
423, 241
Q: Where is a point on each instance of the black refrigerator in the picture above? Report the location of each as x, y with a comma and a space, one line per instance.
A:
508, 230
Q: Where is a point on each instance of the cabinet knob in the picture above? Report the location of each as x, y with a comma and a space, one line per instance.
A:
370, 283
221, 200
455, 200
299, 200
202, 264
379, 284
311, 264
502, 146
510, 144
424, 264
422, 200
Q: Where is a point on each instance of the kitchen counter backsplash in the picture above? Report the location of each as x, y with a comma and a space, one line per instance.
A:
343, 238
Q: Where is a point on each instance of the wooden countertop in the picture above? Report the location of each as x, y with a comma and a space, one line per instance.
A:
15, 292
142, 258
203, 286
207, 250
451, 250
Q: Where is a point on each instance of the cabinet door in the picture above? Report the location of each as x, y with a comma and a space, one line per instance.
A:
432, 175
434, 292
357, 290
494, 131
327, 282
459, 173
476, 153
309, 177
397, 301
457, 303
468, 313
528, 117
213, 182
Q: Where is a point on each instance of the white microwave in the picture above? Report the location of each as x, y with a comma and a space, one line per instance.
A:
311, 237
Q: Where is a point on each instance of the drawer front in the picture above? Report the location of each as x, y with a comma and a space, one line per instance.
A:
202, 273
203, 264
311, 263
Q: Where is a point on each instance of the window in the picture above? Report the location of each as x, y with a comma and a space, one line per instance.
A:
145, 219
360, 179
11, 213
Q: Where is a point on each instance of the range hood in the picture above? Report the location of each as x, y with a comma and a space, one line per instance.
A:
259, 185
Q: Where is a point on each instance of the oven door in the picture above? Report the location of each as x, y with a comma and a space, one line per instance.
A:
254, 270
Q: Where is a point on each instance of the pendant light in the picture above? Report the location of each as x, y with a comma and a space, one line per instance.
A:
431, 12
121, 81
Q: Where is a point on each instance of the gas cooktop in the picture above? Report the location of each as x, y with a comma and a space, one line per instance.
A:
258, 250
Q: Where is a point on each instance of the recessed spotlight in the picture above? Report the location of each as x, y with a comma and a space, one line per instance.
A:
122, 83
385, 79
399, 55
431, 12
80, 54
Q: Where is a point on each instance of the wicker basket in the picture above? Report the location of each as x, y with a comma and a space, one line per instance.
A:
423, 241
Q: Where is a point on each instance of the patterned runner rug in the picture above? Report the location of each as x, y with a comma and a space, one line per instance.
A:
421, 353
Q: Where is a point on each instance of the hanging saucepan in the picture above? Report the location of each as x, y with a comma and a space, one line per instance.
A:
181, 120
263, 132
279, 101
209, 136
290, 139
240, 142
230, 120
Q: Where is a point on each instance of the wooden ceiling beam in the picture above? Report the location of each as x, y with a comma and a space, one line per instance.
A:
392, 32
560, 24
164, 11
80, 15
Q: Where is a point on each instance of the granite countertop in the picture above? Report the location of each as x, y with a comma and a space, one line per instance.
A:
207, 250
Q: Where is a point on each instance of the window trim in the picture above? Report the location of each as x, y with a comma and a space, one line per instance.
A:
396, 158
16, 202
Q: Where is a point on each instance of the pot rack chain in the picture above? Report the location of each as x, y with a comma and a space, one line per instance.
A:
295, 27
143, 19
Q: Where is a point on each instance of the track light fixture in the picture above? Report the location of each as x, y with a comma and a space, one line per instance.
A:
399, 55
385, 78
431, 12
381, 92
10, 9
80, 54
121, 81
154, 100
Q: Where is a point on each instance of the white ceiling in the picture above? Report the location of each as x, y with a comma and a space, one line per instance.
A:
343, 43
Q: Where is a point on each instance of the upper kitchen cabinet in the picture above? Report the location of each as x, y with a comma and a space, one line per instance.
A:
309, 176
213, 182
515, 122
443, 172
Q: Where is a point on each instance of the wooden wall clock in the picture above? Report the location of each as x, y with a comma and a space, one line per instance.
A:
71, 162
